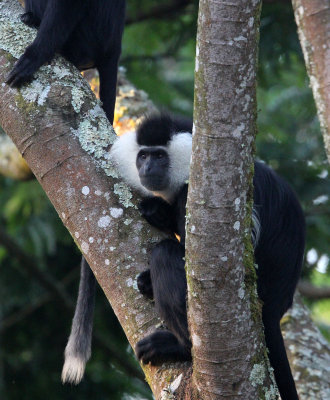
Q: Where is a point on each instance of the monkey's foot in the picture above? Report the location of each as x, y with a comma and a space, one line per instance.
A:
161, 346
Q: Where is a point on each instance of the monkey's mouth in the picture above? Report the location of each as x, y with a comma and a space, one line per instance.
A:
154, 182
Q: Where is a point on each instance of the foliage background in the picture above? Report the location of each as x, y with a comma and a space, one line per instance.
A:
158, 54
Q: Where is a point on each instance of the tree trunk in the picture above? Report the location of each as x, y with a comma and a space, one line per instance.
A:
313, 20
224, 313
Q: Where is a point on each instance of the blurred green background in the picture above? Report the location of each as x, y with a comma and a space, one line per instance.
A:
158, 54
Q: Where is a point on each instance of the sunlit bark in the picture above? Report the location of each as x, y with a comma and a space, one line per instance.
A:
313, 21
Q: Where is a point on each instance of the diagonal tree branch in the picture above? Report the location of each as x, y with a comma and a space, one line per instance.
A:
62, 132
311, 291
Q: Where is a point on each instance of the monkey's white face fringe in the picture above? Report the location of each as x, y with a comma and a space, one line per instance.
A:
73, 370
179, 151
124, 152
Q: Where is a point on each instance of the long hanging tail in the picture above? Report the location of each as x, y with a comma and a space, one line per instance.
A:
78, 349
277, 355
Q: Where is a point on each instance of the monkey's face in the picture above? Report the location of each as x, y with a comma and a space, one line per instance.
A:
152, 164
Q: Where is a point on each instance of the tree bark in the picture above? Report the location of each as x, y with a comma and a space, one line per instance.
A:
308, 352
313, 21
224, 313
311, 291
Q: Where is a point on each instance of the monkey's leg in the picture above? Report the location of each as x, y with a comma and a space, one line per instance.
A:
277, 354
169, 288
59, 20
108, 69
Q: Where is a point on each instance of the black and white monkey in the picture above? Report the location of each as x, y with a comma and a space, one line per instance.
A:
155, 160
87, 33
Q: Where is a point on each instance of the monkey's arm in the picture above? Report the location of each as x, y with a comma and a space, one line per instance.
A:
58, 22
158, 213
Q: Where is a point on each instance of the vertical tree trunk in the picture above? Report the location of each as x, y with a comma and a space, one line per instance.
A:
313, 21
228, 347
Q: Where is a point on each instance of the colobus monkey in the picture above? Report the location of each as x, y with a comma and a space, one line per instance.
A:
155, 160
78, 348
88, 33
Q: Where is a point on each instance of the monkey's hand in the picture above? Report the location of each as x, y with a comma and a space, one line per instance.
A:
145, 285
24, 69
158, 213
30, 19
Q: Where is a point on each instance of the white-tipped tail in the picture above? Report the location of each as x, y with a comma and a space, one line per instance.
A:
78, 349
73, 370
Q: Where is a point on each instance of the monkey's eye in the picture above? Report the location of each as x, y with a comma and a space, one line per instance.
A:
143, 156
160, 155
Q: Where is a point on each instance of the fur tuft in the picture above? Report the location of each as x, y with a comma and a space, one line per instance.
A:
256, 228
73, 370
123, 154
179, 152
155, 130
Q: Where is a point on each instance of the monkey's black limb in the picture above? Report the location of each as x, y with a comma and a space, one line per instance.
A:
87, 33
55, 28
161, 346
169, 290
158, 213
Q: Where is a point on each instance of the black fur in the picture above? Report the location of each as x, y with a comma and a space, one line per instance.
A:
158, 129
278, 253
155, 131
88, 33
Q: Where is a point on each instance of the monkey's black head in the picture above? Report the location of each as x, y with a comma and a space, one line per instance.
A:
156, 158
152, 160
155, 130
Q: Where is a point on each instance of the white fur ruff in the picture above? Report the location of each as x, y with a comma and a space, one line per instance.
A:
73, 370
124, 152
179, 151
